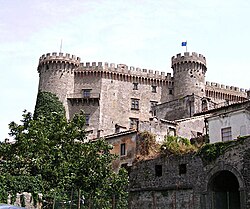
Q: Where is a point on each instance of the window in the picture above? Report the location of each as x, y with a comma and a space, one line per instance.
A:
171, 131
226, 134
171, 91
86, 93
123, 149
135, 104
182, 169
154, 89
135, 86
87, 116
158, 170
204, 105
152, 104
134, 123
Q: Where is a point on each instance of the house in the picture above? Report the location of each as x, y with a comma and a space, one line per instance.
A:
228, 122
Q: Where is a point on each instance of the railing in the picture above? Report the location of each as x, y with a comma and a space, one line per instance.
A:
84, 96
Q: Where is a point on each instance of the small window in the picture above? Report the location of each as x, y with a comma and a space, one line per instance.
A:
134, 123
135, 104
135, 86
123, 149
171, 91
204, 105
154, 89
171, 131
182, 169
152, 104
226, 134
86, 93
158, 170
87, 116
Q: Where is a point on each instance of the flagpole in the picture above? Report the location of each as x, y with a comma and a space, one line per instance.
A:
186, 45
61, 46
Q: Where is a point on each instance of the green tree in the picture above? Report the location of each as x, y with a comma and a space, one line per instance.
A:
50, 155
47, 103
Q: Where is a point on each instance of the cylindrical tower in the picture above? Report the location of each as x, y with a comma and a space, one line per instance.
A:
189, 74
56, 75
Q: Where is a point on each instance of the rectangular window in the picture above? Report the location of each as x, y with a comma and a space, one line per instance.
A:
182, 169
86, 93
123, 149
171, 91
134, 104
226, 134
158, 170
135, 86
87, 116
154, 89
134, 122
152, 104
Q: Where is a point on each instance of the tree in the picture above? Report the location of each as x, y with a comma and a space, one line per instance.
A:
52, 154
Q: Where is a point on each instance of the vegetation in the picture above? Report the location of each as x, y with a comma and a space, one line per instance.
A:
177, 145
210, 152
50, 155
147, 145
47, 103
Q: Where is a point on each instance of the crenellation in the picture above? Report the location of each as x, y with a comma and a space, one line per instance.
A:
188, 58
65, 74
168, 76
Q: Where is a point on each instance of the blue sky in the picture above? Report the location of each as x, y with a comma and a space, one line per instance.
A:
140, 33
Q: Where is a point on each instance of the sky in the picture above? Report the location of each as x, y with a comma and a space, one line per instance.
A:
139, 33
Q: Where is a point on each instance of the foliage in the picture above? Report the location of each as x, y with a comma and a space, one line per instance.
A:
50, 155
47, 103
177, 145
146, 144
210, 152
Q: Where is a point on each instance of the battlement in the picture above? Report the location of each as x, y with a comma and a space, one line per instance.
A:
225, 87
122, 68
60, 57
187, 57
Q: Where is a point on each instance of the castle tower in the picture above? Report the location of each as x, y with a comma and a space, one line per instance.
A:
56, 75
189, 74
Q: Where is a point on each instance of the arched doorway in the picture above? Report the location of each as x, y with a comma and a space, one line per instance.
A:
224, 188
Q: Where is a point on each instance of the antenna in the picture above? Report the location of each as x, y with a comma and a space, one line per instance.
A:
61, 46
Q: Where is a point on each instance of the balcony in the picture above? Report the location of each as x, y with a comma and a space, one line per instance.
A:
84, 98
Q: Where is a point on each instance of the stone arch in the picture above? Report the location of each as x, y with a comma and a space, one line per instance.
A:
224, 171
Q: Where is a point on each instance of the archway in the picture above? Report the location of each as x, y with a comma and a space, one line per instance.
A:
224, 188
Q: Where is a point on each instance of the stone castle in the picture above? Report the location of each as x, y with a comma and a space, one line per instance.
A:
117, 96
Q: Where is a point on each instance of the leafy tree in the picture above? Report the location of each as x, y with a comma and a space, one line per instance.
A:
50, 155
47, 103
177, 145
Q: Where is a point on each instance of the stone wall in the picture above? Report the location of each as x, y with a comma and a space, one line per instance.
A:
187, 181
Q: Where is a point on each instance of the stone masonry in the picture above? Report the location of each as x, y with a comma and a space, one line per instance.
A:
192, 181
113, 95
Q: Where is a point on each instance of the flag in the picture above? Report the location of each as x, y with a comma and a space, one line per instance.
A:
184, 43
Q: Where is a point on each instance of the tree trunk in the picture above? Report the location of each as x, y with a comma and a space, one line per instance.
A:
79, 199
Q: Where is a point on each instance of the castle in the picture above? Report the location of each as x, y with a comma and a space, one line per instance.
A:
117, 96
119, 100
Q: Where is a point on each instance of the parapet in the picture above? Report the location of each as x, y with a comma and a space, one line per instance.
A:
60, 57
187, 57
225, 87
122, 68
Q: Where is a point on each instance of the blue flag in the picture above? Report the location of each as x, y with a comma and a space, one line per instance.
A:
184, 43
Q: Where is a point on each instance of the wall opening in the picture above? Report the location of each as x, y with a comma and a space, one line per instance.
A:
225, 191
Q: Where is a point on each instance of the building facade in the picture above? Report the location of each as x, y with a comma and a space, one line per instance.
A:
117, 95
